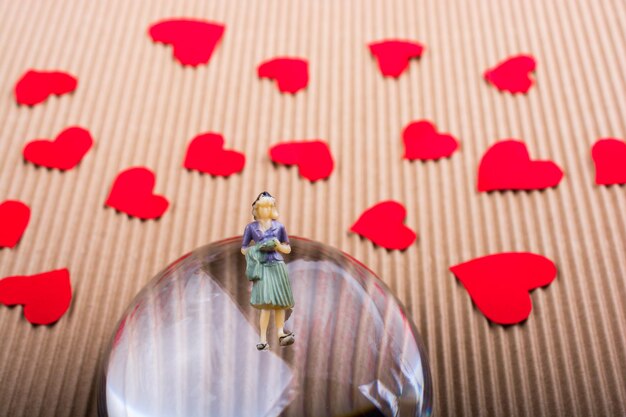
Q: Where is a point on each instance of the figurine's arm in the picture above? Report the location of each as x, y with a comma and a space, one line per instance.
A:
283, 241
247, 240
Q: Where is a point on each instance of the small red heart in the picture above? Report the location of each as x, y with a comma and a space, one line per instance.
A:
131, 193
313, 157
291, 74
14, 217
393, 55
507, 166
64, 152
609, 157
36, 86
499, 284
193, 40
206, 154
383, 224
45, 297
513, 74
421, 141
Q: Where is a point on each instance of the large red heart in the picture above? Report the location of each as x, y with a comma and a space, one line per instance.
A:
393, 55
64, 152
499, 284
206, 153
14, 217
383, 224
609, 157
45, 297
131, 193
513, 74
313, 158
421, 141
291, 74
507, 166
35, 87
193, 40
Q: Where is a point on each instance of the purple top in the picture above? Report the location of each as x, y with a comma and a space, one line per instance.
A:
276, 230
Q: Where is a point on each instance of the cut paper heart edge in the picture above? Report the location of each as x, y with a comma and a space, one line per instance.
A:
513, 74
206, 154
499, 284
383, 224
313, 158
14, 218
394, 55
132, 193
290, 73
35, 87
65, 152
46, 297
423, 142
507, 166
609, 158
193, 40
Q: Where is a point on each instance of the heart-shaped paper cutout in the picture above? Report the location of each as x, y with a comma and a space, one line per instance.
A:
421, 141
507, 166
383, 224
609, 157
64, 152
313, 158
35, 87
131, 193
499, 284
45, 297
513, 74
393, 55
193, 40
206, 154
14, 217
291, 74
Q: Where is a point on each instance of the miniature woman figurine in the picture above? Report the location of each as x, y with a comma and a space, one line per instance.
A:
263, 239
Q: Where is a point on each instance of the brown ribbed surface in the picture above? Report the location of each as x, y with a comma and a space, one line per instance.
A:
143, 108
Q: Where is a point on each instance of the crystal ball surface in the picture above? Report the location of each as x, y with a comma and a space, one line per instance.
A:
186, 345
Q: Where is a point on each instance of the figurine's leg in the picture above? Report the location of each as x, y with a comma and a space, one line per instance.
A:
264, 322
285, 339
279, 318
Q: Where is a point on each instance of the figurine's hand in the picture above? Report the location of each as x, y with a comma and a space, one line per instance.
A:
283, 248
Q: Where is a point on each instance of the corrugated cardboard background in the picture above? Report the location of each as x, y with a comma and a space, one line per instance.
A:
143, 108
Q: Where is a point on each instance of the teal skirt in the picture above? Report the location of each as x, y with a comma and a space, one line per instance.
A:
272, 289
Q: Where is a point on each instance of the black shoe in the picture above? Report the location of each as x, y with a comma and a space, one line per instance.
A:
287, 339
262, 346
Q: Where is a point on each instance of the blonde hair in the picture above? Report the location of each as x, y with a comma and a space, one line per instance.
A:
265, 201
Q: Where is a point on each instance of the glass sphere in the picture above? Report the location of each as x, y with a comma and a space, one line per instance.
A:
186, 345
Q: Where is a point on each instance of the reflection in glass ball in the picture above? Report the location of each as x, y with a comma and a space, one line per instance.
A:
186, 345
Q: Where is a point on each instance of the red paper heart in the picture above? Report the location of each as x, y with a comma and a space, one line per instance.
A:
193, 40
131, 193
499, 284
206, 153
14, 217
393, 55
291, 74
507, 166
421, 141
383, 224
313, 157
45, 297
36, 86
64, 152
513, 74
609, 157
